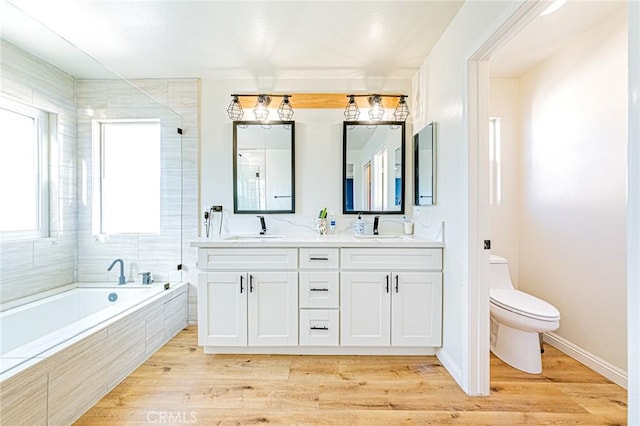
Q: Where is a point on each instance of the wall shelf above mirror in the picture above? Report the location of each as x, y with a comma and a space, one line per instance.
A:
373, 167
424, 163
264, 167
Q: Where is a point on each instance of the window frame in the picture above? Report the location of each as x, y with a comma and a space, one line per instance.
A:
45, 126
97, 140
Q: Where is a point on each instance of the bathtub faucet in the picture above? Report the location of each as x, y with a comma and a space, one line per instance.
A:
121, 278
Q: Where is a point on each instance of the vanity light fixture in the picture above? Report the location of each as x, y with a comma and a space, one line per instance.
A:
377, 111
261, 111
352, 112
402, 110
235, 111
285, 112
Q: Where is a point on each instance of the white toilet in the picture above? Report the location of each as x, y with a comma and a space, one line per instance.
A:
517, 318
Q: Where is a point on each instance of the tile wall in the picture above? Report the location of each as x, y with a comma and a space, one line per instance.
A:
159, 254
35, 266
73, 253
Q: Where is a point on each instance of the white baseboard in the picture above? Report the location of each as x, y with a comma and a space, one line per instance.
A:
597, 364
453, 369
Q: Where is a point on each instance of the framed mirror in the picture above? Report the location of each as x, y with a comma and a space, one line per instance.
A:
264, 167
373, 167
424, 166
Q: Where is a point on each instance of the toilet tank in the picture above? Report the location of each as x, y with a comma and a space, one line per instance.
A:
499, 272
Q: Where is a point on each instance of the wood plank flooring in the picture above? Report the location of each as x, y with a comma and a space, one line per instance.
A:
181, 385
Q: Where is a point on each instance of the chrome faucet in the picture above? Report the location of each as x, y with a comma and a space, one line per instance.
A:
263, 225
121, 278
376, 221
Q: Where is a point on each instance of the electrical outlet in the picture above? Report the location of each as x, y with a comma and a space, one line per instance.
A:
216, 208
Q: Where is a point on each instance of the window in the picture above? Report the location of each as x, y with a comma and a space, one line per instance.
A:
24, 190
126, 177
495, 184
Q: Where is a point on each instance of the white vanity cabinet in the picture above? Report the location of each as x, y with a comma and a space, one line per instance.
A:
338, 295
391, 297
248, 307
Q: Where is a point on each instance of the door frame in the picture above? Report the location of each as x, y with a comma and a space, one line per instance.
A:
478, 178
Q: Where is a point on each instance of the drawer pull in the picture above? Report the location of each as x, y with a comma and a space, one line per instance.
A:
387, 286
396, 283
318, 289
250, 283
319, 258
319, 328
241, 284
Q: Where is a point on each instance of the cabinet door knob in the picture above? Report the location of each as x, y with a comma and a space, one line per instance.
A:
396, 283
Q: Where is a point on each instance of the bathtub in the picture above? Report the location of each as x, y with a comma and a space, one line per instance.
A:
61, 354
34, 328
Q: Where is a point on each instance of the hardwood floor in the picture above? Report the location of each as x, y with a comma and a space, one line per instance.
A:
181, 385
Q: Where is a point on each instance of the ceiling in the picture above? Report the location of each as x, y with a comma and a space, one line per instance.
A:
247, 39
268, 39
546, 34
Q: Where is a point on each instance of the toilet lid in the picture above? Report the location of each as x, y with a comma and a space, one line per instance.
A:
524, 304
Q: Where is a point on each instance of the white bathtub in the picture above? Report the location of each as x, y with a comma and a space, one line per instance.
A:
63, 353
32, 329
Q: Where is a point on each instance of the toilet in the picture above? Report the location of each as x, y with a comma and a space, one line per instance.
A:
517, 318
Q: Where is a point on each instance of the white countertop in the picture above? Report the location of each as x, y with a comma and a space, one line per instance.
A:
312, 240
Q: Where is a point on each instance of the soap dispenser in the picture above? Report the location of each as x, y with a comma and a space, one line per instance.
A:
358, 226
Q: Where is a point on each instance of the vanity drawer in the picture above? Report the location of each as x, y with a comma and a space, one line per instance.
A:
319, 327
318, 289
391, 259
319, 258
248, 259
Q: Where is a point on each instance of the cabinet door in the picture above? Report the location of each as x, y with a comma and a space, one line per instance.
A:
273, 308
222, 309
416, 306
365, 308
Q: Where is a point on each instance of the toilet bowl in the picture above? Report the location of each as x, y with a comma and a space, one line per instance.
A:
517, 319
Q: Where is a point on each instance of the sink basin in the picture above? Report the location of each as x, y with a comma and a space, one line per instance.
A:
254, 237
385, 236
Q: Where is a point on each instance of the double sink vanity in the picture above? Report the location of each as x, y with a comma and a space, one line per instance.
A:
329, 294
323, 294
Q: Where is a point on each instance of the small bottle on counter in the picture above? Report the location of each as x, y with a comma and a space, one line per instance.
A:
358, 225
332, 223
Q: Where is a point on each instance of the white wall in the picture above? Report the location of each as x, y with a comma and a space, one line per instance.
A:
439, 93
29, 267
504, 102
573, 165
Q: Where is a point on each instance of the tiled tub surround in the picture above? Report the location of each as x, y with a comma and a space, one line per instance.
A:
160, 254
85, 359
30, 267
332, 294
39, 267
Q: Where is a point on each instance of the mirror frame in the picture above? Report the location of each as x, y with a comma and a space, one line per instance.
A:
416, 165
236, 124
401, 124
